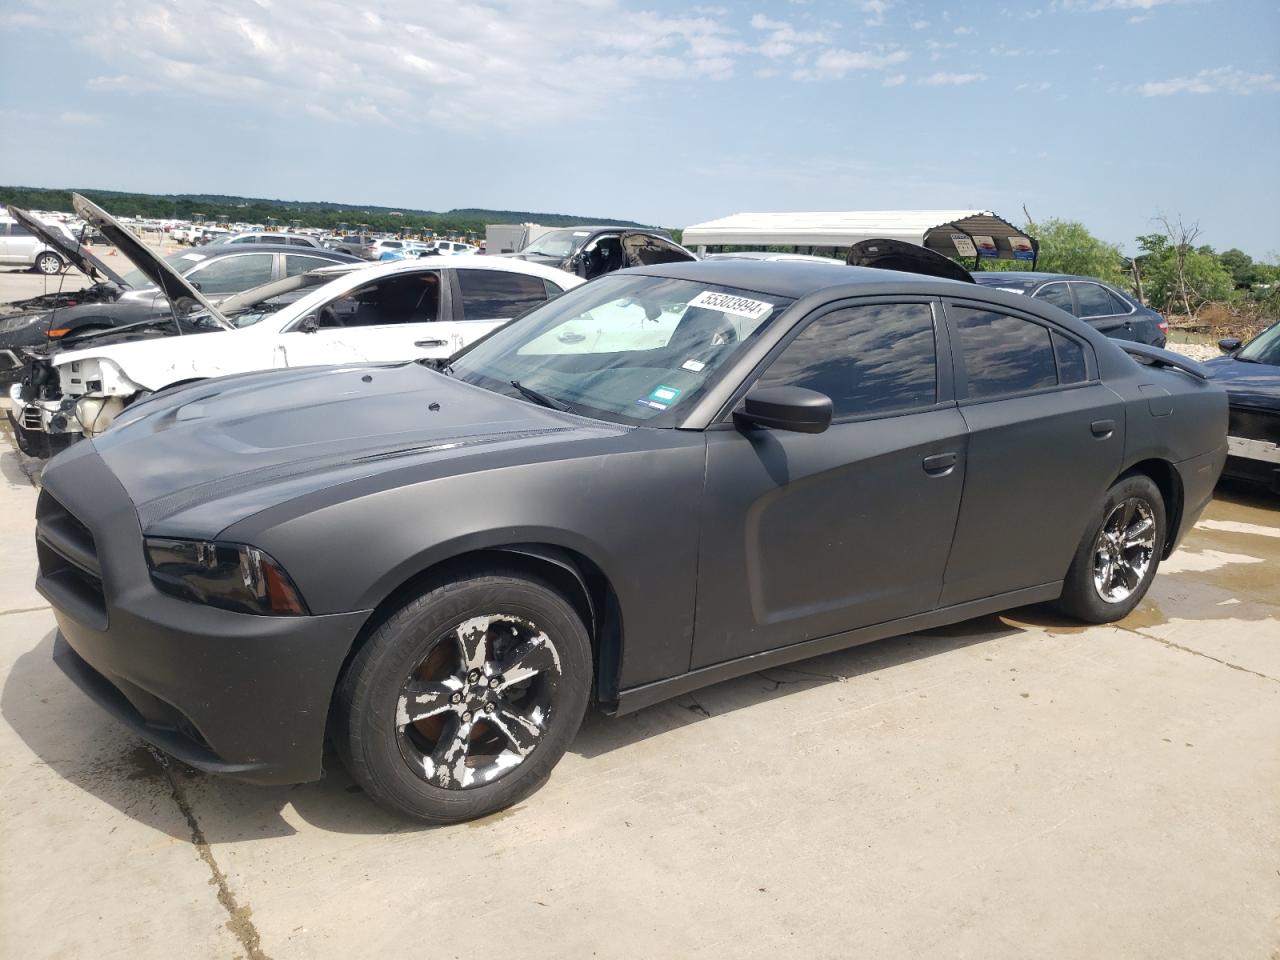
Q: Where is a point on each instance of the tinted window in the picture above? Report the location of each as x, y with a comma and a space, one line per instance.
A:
1059, 294
871, 359
18, 230
233, 274
408, 299
498, 295
1119, 303
1094, 301
295, 264
1070, 357
298, 242
1003, 354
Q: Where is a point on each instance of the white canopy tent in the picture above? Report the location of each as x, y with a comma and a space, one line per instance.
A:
953, 233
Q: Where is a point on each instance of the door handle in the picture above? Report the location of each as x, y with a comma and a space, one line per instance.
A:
430, 343
940, 464
1102, 428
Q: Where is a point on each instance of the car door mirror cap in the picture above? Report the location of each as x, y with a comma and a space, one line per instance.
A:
1229, 344
796, 409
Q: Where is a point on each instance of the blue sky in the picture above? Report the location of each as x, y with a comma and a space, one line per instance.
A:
1105, 111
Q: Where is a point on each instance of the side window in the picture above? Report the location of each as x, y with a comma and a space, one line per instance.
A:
1070, 357
552, 290
295, 263
1059, 294
1004, 354
233, 274
401, 299
497, 294
1094, 301
271, 238
18, 230
879, 358
1120, 304
297, 242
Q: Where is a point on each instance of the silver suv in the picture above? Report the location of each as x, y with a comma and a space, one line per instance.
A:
19, 247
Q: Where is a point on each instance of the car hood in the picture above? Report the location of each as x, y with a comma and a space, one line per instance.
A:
1247, 384
158, 360
198, 459
170, 282
907, 258
78, 254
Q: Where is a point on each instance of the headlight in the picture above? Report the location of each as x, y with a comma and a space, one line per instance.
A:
23, 320
233, 576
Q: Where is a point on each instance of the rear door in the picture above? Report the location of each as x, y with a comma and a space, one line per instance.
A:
1045, 442
809, 535
1099, 307
218, 278
487, 299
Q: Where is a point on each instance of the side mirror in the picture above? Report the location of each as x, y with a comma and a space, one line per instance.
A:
785, 408
196, 284
1229, 344
309, 325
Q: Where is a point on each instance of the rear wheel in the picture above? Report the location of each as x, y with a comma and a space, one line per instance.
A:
1118, 557
465, 699
48, 263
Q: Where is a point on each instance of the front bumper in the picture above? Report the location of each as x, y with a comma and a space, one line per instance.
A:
43, 416
228, 693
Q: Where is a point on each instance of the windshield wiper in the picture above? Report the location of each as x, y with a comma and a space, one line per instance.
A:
530, 394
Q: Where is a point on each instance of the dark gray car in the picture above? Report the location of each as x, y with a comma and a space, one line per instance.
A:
1101, 305
662, 479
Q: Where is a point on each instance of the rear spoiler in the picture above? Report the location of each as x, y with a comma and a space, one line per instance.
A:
1163, 358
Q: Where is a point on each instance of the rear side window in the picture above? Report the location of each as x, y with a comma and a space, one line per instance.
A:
497, 294
1004, 354
295, 264
1095, 301
233, 274
1070, 357
873, 359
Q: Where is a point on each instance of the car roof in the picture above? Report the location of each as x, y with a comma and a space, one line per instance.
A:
793, 278
213, 250
1031, 276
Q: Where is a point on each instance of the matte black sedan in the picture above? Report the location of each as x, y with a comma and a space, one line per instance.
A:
1101, 305
1251, 374
664, 478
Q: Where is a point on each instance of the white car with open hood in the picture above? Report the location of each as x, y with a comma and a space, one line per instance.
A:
399, 310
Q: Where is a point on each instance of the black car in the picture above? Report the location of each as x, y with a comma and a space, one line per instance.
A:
120, 299
664, 478
1099, 304
593, 251
1251, 374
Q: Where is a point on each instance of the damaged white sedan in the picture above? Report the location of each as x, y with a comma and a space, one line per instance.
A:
400, 310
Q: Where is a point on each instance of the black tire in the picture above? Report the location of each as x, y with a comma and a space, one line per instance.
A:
376, 746
1082, 597
49, 263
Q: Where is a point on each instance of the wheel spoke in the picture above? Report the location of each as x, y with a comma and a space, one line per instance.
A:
521, 732
474, 637
528, 660
448, 762
426, 698
1136, 535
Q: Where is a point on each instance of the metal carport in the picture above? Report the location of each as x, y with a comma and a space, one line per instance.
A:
952, 233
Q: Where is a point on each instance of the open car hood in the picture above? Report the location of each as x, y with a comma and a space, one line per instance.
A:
170, 282
78, 254
906, 258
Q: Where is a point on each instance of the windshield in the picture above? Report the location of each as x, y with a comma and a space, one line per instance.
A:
181, 261
558, 243
629, 349
1264, 348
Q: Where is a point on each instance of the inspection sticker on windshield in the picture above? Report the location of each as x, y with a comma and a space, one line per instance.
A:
728, 303
694, 366
660, 398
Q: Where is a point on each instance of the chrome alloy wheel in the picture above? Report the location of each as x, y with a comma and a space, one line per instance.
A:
1124, 550
48, 264
480, 703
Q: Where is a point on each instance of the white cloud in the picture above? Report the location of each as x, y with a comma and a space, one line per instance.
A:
952, 79
834, 64
875, 11
782, 39
507, 62
1214, 80
919, 24
897, 80
1116, 4
962, 31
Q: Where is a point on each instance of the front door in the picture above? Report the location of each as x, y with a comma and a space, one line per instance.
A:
809, 535
1046, 440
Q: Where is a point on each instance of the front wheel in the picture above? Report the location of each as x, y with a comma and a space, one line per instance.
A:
1118, 557
464, 700
50, 264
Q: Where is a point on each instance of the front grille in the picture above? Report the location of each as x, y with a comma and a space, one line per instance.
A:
31, 419
70, 574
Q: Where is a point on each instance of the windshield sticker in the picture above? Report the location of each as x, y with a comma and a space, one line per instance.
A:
728, 303
694, 366
652, 403
193, 257
582, 233
666, 395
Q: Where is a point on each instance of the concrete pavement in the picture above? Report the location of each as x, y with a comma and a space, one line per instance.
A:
1009, 787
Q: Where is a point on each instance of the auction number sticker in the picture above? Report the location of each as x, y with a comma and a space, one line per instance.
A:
728, 303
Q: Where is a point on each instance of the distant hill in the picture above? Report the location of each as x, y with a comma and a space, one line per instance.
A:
311, 213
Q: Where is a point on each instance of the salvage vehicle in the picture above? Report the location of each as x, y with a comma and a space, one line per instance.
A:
662, 479
142, 294
1251, 374
591, 252
1099, 304
392, 311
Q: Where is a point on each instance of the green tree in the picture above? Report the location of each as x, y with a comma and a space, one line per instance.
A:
1178, 277
1244, 272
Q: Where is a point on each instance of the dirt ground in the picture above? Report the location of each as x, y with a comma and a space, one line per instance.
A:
1014, 786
